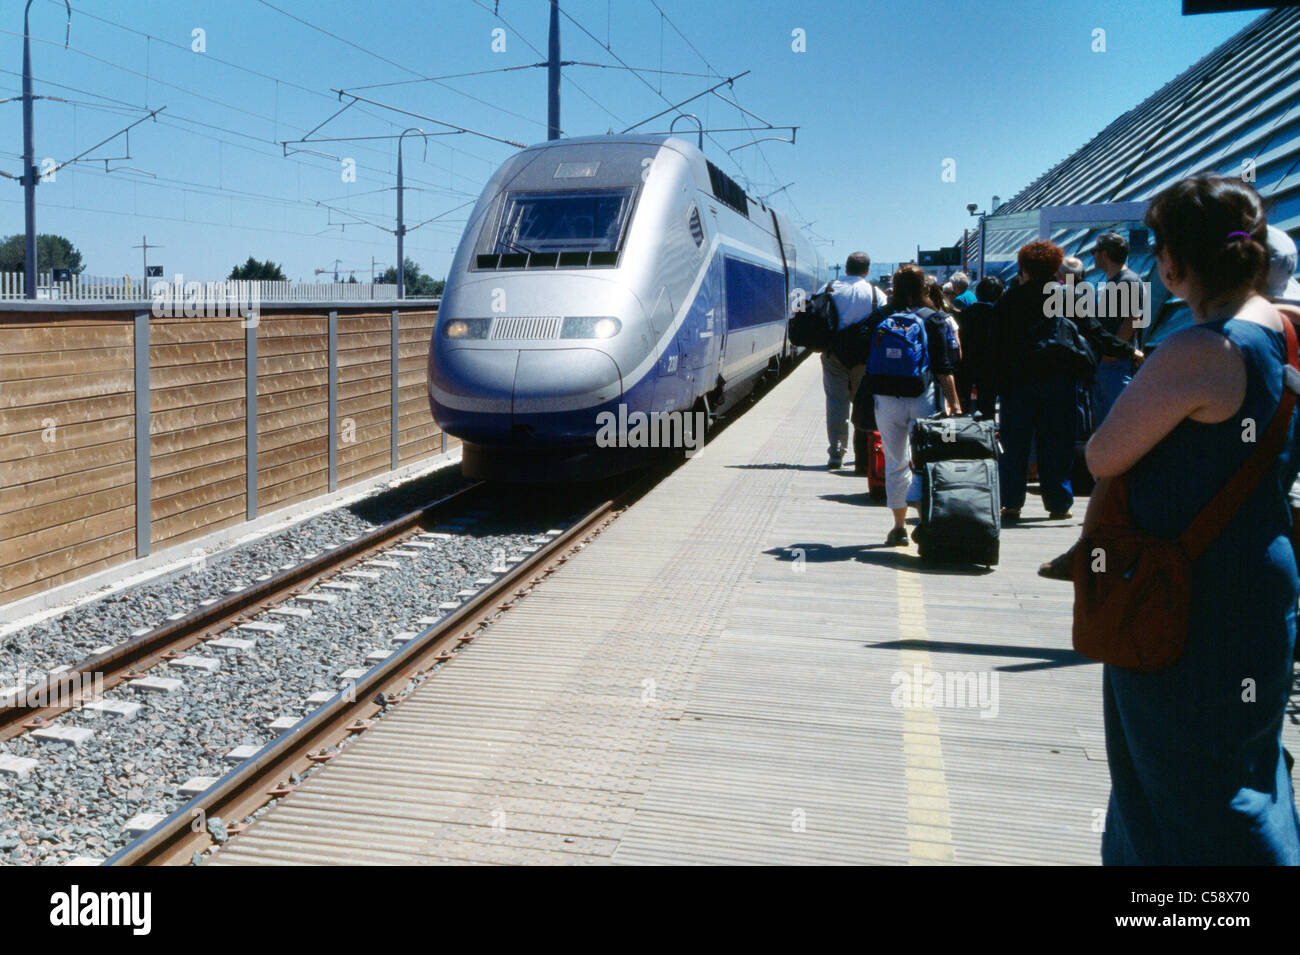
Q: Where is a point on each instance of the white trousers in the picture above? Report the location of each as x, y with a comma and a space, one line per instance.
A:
894, 418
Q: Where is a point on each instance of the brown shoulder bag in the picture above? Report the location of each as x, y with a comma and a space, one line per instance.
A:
1132, 591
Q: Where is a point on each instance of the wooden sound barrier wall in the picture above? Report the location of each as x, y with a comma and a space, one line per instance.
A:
122, 433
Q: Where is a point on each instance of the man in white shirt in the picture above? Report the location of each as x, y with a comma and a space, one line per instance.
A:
855, 300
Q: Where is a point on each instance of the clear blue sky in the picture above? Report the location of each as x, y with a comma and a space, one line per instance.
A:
884, 94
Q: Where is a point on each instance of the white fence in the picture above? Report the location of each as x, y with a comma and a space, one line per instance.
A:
98, 288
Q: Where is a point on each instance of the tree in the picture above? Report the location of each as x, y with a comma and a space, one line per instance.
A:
253, 270
52, 252
417, 283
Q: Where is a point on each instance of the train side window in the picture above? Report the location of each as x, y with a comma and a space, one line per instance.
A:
726, 189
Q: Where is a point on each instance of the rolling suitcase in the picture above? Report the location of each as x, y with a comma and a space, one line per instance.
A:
876, 467
961, 507
954, 438
869, 459
866, 442
961, 512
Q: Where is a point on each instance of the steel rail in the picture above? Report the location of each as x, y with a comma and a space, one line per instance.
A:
263, 776
68, 690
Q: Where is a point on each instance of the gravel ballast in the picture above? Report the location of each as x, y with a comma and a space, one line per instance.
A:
78, 797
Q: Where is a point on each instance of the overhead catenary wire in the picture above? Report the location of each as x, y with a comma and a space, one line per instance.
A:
758, 147
234, 132
136, 175
173, 116
420, 77
153, 114
567, 79
643, 80
394, 63
206, 189
407, 112
687, 39
521, 66
247, 140
210, 57
198, 189
212, 223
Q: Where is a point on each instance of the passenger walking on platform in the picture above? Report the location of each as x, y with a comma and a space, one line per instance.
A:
1198, 772
855, 301
1114, 373
938, 300
975, 326
908, 365
1037, 403
934, 292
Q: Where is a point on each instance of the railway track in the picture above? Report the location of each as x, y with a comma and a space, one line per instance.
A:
314, 739
322, 576
73, 687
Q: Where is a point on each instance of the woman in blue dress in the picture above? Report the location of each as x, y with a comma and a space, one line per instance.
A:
1198, 773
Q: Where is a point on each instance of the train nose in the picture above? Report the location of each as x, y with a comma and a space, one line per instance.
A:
564, 379
499, 396
479, 380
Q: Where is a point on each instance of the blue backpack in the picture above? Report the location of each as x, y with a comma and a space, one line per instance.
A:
898, 362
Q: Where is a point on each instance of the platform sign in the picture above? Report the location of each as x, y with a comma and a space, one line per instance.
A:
62, 275
154, 272
935, 257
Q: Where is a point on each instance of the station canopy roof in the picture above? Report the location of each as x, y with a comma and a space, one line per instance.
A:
1236, 112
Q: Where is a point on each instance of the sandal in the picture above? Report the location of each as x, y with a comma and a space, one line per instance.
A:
1061, 567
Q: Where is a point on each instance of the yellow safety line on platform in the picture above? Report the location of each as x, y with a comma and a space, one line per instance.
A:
929, 820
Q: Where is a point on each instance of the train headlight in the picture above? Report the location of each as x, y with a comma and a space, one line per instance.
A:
467, 328
590, 327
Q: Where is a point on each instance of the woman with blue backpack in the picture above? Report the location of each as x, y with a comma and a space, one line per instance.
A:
909, 371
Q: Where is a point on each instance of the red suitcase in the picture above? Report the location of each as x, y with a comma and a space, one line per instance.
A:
875, 455
876, 468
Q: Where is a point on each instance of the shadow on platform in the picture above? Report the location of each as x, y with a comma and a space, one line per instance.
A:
1044, 658
863, 499
881, 554
786, 466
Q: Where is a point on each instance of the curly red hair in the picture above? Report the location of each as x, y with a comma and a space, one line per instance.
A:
1040, 260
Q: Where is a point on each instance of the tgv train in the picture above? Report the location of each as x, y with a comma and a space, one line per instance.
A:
600, 277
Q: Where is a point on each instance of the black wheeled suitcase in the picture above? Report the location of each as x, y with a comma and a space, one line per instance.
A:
956, 437
961, 512
961, 508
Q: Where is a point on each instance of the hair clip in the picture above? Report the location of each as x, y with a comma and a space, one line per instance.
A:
1236, 235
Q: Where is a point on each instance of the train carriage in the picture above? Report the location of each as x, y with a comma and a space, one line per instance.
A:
605, 277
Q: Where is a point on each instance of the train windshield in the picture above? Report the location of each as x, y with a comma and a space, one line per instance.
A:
586, 220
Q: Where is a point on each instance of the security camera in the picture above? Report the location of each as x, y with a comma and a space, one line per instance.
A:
971, 207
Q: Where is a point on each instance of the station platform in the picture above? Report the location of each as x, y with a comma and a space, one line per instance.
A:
722, 676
